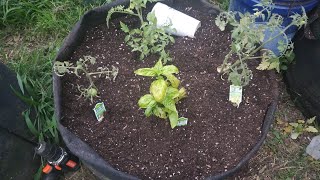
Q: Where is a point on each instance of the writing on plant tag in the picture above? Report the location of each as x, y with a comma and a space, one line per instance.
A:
99, 110
235, 95
182, 121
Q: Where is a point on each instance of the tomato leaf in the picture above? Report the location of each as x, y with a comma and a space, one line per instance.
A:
124, 27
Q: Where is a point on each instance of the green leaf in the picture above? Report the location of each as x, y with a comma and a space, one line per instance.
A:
20, 83
158, 65
220, 23
170, 69
25, 99
182, 93
173, 80
169, 103
37, 176
172, 93
149, 109
284, 67
274, 65
294, 124
145, 100
158, 89
264, 65
311, 120
30, 125
295, 135
173, 117
311, 129
146, 72
159, 112
124, 27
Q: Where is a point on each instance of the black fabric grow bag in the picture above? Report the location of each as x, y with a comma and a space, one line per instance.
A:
302, 77
88, 156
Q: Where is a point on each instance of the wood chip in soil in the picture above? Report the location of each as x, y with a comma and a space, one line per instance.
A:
218, 134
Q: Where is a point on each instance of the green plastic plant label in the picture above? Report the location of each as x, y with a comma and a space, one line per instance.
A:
99, 110
235, 95
182, 121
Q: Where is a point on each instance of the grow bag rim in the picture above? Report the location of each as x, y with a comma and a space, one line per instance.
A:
68, 47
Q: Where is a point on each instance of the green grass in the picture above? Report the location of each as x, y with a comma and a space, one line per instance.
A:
35, 81
31, 32
44, 17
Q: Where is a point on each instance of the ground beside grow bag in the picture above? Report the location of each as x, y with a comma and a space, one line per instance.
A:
86, 153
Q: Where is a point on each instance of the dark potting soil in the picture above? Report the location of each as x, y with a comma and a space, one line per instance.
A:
218, 134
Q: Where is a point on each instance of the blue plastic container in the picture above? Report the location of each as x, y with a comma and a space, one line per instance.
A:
285, 8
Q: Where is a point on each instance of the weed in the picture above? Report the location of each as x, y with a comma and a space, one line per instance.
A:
299, 127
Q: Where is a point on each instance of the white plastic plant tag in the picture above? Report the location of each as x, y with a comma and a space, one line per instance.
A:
182, 121
99, 110
235, 95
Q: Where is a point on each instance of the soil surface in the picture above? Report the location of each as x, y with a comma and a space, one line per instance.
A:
218, 134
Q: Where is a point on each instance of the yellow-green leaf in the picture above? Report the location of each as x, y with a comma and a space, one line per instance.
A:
264, 65
170, 69
173, 117
311, 120
159, 112
169, 103
145, 100
294, 135
146, 72
173, 80
301, 121
182, 93
311, 129
158, 89
294, 124
172, 92
279, 121
158, 65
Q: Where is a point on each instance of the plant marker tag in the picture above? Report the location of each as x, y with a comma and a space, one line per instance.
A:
235, 95
182, 121
99, 110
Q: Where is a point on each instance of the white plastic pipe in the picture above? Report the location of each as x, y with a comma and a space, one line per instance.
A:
182, 24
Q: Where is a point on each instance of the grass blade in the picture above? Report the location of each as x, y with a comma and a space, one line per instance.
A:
20, 83
29, 123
